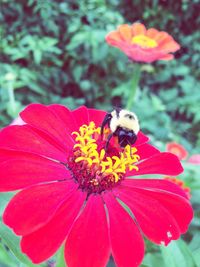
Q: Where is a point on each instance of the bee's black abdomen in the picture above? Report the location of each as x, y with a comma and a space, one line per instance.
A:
125, 137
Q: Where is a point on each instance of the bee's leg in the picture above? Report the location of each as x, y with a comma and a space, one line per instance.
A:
106, 120
108, 140
131, 142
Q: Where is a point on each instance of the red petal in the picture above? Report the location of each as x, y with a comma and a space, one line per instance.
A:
178, 206
162, 216
97, 116
156, 222
33, 207
162, 163
155, 185
25, 138
21, 169
146, 151
88, 243
65, 115
141, 139
44, 119
126, 240
81, 116
43, 243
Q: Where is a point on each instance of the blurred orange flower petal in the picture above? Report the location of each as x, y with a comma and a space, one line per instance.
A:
170, 46
167, 57
177, 150
143, 45
125, 32
138, 28
162, 36
114, 36
152, 32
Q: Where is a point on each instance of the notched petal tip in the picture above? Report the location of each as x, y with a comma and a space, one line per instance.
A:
125, 32
178, 168
138, 28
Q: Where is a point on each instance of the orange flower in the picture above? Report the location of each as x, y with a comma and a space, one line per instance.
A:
180, 183
143, 45
177, 150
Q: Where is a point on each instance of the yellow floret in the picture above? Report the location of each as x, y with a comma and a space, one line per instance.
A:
113, 166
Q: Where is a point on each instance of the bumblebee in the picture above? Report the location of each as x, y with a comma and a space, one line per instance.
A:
123, 124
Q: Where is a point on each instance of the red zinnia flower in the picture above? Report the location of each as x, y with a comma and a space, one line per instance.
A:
177, 150
71, 191
143, 45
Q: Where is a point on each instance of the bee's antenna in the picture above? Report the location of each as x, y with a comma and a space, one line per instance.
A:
117, 109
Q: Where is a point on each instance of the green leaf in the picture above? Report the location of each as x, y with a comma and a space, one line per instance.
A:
37, 54
12, 242
196, 256
5, 259
157, 103
13, 108
153, 260
195, 243
36, 88
4, 198
177, 254
77, 73
60, 260
181, 70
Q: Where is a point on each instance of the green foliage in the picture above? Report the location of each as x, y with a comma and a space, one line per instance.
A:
55, 52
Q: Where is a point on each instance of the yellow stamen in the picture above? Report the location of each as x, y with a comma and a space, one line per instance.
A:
112, 166
144, 41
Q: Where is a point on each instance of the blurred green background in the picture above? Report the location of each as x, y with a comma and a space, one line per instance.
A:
55, 52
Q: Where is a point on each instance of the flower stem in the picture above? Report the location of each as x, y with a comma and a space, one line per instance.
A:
135, 82
11, 95
12, 107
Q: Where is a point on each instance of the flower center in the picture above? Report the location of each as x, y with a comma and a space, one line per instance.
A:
144, 41
95, 169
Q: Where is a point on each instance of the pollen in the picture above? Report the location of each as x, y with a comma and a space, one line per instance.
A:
95, 169
144, 41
